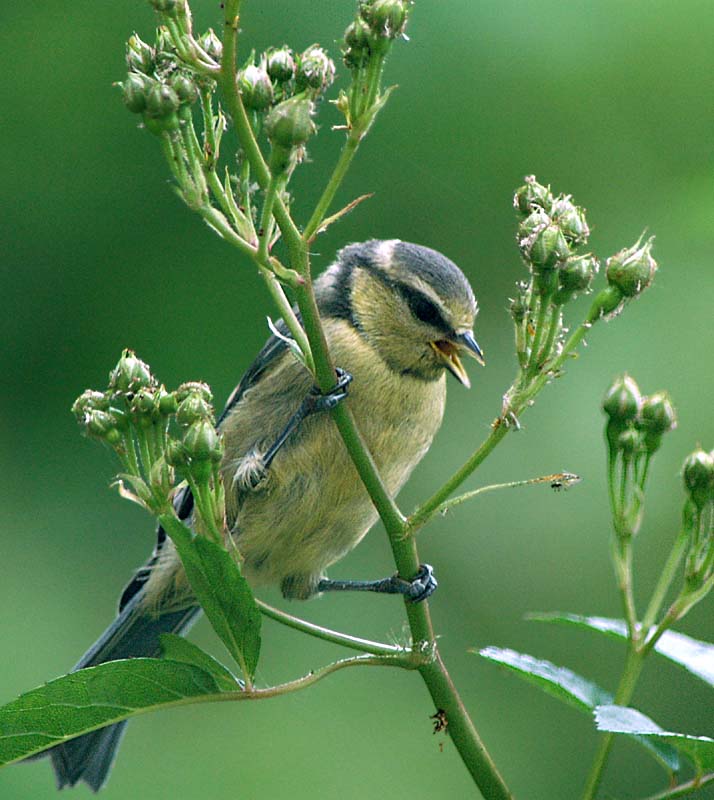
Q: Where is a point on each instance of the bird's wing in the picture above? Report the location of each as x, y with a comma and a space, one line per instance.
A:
183, 503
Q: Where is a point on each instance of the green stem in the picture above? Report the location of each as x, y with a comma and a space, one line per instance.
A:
327, 635
266, 217
323, 204
684, 788
622, 557
666, 577
534, 364
555, 323
628, 681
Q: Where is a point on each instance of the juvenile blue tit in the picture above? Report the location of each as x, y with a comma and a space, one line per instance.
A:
397, 317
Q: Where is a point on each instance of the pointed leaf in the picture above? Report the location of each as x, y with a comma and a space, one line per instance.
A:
694, 655
97, 696
176, 648
618, 719
223, 593
571, 688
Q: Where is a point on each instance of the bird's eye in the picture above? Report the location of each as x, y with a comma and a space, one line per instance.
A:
425, 311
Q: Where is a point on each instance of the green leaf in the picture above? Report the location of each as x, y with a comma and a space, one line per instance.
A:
176, 648
618, 719
97, 696
571, 688
694, 655
224, 594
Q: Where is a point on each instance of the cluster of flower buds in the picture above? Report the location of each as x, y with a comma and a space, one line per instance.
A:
156, 87
635, 423
133, 416
551, 229
279, 74
378, 22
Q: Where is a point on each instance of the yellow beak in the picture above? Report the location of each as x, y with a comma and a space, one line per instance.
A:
448, 352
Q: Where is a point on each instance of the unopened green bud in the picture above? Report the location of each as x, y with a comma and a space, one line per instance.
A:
193, 409
630, 442
134, 90
166, 402
166, 6
290, 124
607, 304
201, 441
534, 223
532, 195
657, 414
547, 248
100, 424
357, 44
185, 88
387, 18
698, 472
255, 88
211, 44
175, 454
88, 401
575, 276
632, 269
139, 55
571, 221
315, 69
161, 102
130, 374
203, 390
622, 401
144, 406
280, 64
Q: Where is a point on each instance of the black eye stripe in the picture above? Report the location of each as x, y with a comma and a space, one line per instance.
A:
424, 309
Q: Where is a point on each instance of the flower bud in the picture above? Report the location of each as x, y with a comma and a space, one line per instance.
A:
211, 44
193, 409
166, 402
630, 442
161, 102
534, 223
698, 472
357, 44
608, 303
175, 454
165, 6
203, 390
532, 195
201, 441
144, 406
547, 248
657, 415
386, 18
575, 276
130, 374
280, 64
290, 124
135, 89
632, 269
518, 309
100, 424
139, 55
88, 401
571, 221
622, 401
315, 69
255, 88
185, 88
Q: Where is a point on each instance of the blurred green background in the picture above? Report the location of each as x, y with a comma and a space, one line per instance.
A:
609, 101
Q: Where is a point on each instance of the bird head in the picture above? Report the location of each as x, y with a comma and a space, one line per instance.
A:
411, 303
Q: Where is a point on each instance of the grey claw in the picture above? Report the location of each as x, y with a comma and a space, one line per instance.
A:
423, 585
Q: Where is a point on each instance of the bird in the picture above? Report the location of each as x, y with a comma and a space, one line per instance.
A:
397, 317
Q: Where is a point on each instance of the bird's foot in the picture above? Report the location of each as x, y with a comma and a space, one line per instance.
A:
318, 401
421, 586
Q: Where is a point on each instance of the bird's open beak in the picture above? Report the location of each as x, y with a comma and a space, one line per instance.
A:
448, 352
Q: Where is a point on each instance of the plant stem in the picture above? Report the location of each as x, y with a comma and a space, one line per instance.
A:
665, 580
323, 204
327, 635
628, 681
684, 788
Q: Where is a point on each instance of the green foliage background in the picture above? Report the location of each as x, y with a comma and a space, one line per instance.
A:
607, 100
